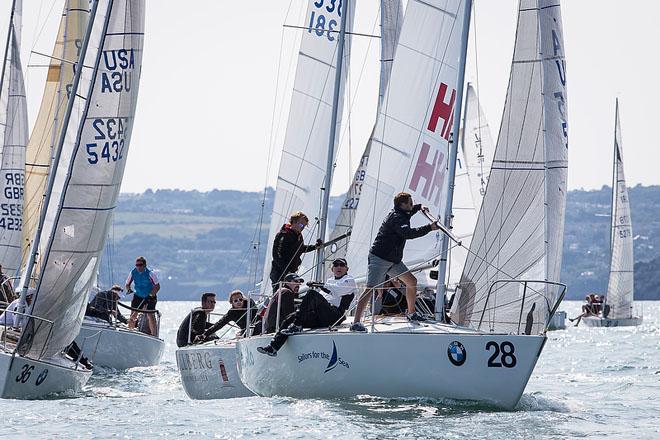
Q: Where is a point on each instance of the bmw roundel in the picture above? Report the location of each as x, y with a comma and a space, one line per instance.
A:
456, 353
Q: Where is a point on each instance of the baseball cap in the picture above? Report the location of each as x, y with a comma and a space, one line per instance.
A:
293, 277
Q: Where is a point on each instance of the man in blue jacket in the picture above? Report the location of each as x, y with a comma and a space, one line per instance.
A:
386, 255
144, 298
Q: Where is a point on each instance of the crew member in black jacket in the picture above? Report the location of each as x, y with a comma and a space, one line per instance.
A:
237, 314
288, 248
386, 255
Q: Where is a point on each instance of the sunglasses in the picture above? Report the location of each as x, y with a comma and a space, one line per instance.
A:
235, 300
139, 264
338, 265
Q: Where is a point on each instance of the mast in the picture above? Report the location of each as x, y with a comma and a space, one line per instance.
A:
442, 268
323, 220
34, 250
615, 190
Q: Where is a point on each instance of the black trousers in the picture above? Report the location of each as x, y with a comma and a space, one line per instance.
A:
314, 312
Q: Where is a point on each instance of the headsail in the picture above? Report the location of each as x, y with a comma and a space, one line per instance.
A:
48, 126
87, 179
519, 232
620, 287
391, 13
14, 135
305, 150
410, 145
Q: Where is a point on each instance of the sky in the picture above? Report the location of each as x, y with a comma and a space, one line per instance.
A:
216, 84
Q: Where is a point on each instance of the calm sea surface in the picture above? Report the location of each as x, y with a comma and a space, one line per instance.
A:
596, 383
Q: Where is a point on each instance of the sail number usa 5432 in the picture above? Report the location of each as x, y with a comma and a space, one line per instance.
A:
109, 134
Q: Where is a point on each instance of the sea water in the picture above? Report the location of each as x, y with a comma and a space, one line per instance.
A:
589, 382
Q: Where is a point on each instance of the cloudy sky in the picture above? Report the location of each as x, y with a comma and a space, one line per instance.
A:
217, 76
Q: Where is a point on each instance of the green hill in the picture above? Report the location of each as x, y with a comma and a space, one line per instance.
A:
215, 240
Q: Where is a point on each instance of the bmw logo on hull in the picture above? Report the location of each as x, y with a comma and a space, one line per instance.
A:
456, 353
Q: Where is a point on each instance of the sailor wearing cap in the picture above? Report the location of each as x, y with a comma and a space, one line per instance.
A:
104, 305
318, 309
287, 294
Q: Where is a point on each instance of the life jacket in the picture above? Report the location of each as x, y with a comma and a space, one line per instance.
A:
143, 283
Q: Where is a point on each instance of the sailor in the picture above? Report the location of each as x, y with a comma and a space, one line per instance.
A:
6, 289
237, 314
144, 298
104, 305
10, 318
288, 247
287, 294
587, 309
386, 255
196, 322
318, 309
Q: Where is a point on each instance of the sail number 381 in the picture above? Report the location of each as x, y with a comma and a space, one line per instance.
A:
503, 354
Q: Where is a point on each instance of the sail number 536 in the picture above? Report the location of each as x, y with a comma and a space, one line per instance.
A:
503, 354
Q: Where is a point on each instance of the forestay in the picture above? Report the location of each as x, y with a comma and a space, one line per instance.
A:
305, 150
474, 159
48, 125
14, 135
391, 20
620, 287
410, 147
89, 173
519, 230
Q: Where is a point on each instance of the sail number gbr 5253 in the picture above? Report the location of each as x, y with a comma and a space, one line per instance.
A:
109, 136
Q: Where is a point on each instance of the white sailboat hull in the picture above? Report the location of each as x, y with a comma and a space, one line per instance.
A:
594, 321
558, 321
118, 348
25, 378
210, 371
392, 364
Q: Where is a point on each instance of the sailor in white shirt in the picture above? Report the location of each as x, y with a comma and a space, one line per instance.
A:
11, 319
323, 308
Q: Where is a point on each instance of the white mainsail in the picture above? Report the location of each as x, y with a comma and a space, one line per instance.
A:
88, 175
391, 20
410, 147
14, 136
305, 151
620, 287
48, 125
474, 159
519, 232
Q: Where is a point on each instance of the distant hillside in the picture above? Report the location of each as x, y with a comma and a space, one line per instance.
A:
209, 240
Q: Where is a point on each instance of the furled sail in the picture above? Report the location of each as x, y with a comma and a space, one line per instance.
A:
519, 232
621, 283
87, 179
305, 151
48, 126
410, 145
14, 135
474, 159
391, 20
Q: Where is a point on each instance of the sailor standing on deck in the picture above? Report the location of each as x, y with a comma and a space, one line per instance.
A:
386, 255
288, 247
144, 298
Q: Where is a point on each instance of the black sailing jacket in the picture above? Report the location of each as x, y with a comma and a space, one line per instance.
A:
394, 232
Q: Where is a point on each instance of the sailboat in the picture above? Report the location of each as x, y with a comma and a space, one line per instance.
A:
95, 116
617, 309
509, 288
315, 109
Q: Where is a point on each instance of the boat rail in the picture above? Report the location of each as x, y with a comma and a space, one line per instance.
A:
209, 314
157, 315
526, 288
9, 331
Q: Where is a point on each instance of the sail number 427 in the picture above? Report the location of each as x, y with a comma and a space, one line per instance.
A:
503, 354
109, 134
